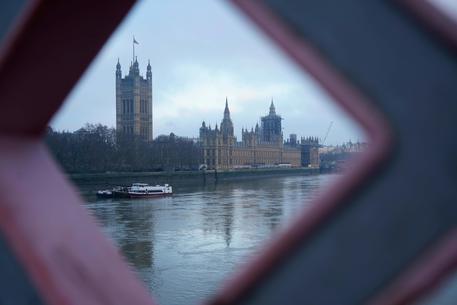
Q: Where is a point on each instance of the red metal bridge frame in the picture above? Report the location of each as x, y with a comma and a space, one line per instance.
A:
59, 245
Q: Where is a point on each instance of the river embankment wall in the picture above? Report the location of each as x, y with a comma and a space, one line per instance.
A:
180, 177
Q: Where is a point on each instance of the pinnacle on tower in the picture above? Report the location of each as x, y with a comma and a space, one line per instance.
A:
226, 124
226, 110
148, 71
272, 108
118, 69
226, 104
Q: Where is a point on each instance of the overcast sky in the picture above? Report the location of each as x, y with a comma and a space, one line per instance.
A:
202, 51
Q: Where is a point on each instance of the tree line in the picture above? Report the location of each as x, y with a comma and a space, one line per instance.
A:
97, 148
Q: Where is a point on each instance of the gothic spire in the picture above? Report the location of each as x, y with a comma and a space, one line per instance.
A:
226, 110
148, 71
226, 124
272, 108
118, 69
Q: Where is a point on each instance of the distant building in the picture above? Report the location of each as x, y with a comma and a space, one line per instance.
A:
271, 130
310, 152
292, 139
260, 147
218, 144
134, 102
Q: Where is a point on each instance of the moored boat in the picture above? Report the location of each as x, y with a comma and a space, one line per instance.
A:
143, 190
105, 194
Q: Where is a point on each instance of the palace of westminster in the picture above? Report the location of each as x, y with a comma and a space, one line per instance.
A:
262, 146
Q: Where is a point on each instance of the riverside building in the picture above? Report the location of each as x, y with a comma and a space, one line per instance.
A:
262, 146
134, 102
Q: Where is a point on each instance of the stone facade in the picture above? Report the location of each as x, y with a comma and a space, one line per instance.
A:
134, 102
260, 147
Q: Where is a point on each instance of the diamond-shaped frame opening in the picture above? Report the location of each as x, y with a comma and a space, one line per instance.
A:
164, 253
36, 158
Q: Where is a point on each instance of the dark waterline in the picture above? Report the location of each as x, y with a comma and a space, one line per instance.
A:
183, 246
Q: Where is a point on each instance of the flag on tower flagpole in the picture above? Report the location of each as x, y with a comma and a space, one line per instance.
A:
133, 46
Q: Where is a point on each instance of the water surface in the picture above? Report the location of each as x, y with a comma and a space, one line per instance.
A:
183, 246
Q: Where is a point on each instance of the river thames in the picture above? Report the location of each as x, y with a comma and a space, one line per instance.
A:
183, 246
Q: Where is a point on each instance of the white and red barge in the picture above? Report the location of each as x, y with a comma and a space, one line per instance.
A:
137, 190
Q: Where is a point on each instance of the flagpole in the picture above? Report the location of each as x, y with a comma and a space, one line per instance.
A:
133, 44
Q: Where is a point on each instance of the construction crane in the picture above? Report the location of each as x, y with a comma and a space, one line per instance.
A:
326, 134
